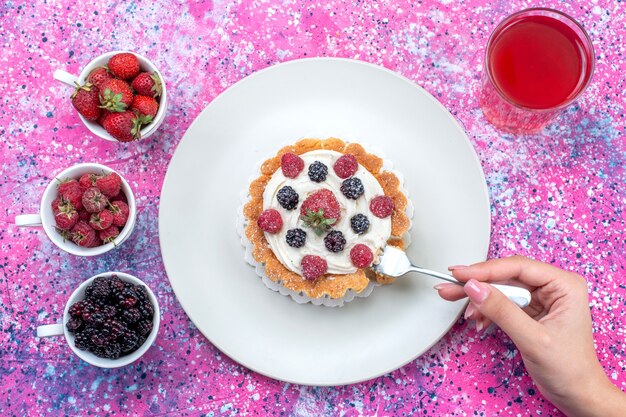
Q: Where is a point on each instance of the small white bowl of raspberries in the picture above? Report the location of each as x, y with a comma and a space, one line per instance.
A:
86, 210
120, 96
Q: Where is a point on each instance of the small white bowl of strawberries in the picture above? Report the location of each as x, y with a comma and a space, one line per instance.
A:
120, 96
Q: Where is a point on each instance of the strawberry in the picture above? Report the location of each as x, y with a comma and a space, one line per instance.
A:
270, 221
66, 218
120, 211
124, 65
98, 76
146, 84
83, 234
103, 115
94, 201
85, 100
109, 235
110, 184
313, 267
320, 211
102, 220
381, 206
145, 106
361, 256
126, 126
88, 180
115, 95
291, 164
71, 191
346, 166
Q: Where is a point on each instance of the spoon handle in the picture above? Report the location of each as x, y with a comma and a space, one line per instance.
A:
519, 295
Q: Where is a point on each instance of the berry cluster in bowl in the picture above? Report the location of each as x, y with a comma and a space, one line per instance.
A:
120, 96
114, 319
91, 210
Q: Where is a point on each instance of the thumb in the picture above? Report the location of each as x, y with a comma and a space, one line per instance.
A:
521, 328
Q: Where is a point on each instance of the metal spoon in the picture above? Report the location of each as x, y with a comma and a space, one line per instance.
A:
394, 262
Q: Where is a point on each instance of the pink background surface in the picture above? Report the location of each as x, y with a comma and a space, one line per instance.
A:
557, 196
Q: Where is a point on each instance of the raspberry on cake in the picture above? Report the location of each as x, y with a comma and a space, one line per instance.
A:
319, 215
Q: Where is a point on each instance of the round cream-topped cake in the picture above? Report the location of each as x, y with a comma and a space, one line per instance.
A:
319, 215
375, 237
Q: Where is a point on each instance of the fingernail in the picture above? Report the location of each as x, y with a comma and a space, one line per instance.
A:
479, 325
469, 311
476, 291
456, 267
444, 285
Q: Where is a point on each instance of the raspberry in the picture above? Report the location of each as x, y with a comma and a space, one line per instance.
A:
334, 241
291, 164
102, 220
352, 188
120, 211
270, 221
71, 191
346, 166
84, 215
109, 235
381, 206
83, 235
66, 218
94, 201
120, 197
361, 256
57, 204
109, 185
287, 198
88, 181
296, 238
318, 171
359, 223
313, 267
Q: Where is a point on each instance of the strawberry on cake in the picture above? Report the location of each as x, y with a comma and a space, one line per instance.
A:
319, 215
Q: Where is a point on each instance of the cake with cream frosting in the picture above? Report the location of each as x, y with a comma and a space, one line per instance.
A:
320, 213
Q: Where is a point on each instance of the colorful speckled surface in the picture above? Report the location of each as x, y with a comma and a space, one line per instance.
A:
557, 196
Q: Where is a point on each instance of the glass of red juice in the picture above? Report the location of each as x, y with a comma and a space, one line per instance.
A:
537, 62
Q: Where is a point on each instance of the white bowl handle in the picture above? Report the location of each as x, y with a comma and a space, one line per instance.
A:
28, 220
65, 77
50, 330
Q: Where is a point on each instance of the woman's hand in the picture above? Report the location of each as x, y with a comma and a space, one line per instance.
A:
553, 334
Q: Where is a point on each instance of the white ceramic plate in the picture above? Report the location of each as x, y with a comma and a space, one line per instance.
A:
227, 301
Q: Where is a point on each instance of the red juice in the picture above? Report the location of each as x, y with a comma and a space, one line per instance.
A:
537, 61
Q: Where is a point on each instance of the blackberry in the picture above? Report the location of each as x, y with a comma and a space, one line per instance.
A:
99, 290
82, 339
146, 310
88, 310
112, 351
352, 188
76, 310
99, 339
287, 198
96, 319
74, 324
131, 315
318, 171
144, 327
360, 224
114, 328
334, 241
141, 292
127, 299
296, 238
128, 342
109, 311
